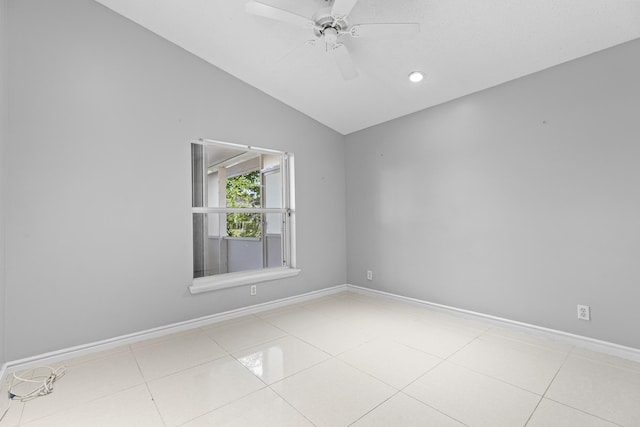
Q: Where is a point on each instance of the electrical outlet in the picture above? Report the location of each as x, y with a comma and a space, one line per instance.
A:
369, 275
584, 312
254, 289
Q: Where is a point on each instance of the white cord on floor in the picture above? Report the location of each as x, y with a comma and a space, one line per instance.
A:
5, 412
45, 383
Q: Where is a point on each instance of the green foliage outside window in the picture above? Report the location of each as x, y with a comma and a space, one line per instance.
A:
243, 191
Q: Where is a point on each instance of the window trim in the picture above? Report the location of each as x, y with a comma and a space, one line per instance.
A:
241, 278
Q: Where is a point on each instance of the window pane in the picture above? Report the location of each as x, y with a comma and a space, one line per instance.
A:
273, 199
197, 176
209, 250
273, 190
215, 254
243, 191
244, 254
244, 225
198, 245
213, 189
273, 239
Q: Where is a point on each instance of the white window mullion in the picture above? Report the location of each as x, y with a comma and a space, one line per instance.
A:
239, 210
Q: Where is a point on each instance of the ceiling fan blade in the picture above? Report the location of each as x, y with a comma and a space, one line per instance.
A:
271, 12
344, 61
342, 8
384, 31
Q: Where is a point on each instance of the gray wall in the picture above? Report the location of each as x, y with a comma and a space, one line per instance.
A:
3, 140
520, 201
98, 217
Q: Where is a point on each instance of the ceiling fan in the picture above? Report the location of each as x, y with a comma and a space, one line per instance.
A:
330, 24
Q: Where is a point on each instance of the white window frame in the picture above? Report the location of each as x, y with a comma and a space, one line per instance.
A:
229, 280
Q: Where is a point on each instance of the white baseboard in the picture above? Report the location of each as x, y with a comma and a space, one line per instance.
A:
593, 344
82, 350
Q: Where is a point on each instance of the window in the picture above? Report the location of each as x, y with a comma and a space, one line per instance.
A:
243, 215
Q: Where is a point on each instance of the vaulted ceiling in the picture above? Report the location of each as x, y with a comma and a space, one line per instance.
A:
463, 46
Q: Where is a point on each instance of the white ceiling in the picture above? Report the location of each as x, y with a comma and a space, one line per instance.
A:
464, 46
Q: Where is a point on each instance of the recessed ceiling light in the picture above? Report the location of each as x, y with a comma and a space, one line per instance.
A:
416, 76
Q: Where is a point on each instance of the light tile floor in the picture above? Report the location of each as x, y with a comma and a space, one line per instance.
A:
341, 360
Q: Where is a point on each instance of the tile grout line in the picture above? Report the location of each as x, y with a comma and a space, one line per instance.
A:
435, 409
287, 376
77, 405
402, 390
544, 395
8, 409
146, 384
374, 408
336, 358
585, 412
269, 386
479, 373
289, 403
222, 406
566, 356
226, 354
533, 411
230, 354
492, 334
494, 378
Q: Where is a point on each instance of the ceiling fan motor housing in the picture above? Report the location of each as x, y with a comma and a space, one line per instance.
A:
324, 21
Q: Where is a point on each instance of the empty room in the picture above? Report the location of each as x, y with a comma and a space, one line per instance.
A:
319, 213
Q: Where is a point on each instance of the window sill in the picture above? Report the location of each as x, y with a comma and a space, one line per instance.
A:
230, 280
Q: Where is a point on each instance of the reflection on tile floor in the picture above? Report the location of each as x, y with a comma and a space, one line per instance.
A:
340, 360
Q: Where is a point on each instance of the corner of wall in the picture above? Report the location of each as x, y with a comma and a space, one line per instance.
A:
4, 107
197, 100
515, 201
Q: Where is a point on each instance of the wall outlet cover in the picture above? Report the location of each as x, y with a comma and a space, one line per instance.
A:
584, 312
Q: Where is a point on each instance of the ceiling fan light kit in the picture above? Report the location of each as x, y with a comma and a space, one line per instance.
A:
330, 24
